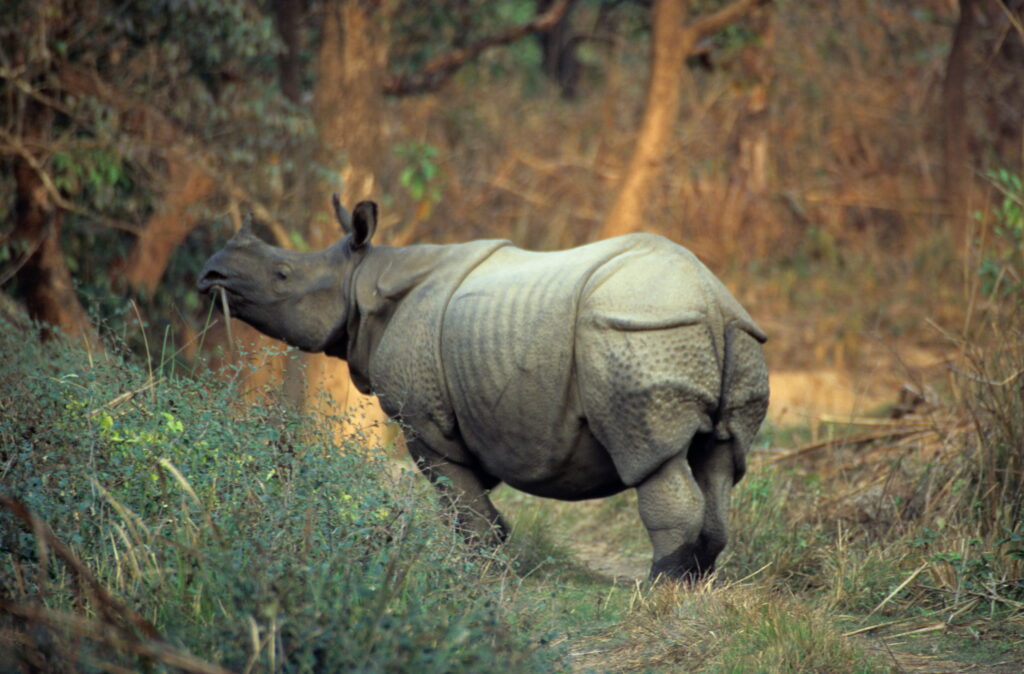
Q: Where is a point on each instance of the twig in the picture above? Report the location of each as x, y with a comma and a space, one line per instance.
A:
899, 587
14, 146
851, 440
867, 421
124, 397
716, 21
871, 628
155, 648
227, 319
27, 255
439, 69
1012, 17
920, 630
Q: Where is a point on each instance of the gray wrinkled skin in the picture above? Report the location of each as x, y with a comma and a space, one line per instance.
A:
571, 374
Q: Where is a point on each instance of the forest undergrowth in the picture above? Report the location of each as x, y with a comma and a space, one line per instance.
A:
153, 519
157, 517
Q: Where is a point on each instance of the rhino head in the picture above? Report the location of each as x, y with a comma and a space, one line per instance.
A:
299, 298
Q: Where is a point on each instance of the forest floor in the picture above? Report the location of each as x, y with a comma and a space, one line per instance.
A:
870, 581
605, 558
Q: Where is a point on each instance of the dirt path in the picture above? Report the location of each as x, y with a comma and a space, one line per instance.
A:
608, 560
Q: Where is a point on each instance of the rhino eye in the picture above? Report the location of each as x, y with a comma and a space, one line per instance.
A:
283, 272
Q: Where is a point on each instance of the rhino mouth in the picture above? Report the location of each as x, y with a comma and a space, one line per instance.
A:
211, 280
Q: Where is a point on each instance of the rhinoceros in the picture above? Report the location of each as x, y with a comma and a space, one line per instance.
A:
571, 374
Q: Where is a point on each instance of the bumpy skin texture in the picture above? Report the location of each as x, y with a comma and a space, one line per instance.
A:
570, 374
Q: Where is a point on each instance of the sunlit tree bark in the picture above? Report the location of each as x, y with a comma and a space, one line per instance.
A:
186, 186
348, 99
672, 38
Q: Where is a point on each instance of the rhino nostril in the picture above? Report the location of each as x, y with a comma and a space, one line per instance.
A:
211, 278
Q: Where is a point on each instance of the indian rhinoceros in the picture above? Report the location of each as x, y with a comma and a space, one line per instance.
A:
571, 374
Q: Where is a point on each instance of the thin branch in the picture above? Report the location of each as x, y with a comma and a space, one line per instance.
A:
26, 255
439, 69
13, 145
158, 132
1012, 17
712, 23
160, 651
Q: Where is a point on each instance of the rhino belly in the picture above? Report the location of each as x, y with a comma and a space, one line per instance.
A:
586, 472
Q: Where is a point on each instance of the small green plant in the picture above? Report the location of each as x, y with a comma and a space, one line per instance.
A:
781, 636
421, 175
1002, 268
763, 531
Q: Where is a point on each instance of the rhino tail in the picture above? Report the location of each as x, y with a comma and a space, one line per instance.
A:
744, 396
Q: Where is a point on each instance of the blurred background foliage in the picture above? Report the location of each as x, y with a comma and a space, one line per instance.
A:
807, 134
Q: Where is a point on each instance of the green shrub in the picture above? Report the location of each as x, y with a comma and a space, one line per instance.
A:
236, 532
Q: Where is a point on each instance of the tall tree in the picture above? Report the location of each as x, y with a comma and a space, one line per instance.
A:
133, 174
673, 36
42, 271
288, 15
348, 100
348, 97
957, 170
558, 51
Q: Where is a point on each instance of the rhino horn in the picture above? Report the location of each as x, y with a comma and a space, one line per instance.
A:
247, 229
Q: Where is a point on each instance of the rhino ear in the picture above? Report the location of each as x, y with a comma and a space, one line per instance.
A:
364, 222
343, 216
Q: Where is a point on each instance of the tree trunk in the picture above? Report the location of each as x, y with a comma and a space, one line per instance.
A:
671, 41
348, 99
188, 180
289, 65
347, 104
956, 148
187, 185
44, 276
558, 51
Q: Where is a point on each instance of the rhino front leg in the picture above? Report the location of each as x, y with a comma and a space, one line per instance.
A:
672, 509
464, 491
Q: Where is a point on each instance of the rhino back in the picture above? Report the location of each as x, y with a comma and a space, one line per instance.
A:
603, 359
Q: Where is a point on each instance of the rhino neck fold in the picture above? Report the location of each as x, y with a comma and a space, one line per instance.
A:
397, 302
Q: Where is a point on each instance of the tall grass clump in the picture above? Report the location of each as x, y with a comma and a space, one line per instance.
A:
991, 383
154, 523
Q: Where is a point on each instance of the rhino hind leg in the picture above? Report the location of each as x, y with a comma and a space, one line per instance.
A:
464, 492
672, 506
713, 466
719, 459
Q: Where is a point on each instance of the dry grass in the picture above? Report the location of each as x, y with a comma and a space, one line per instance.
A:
735, 627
